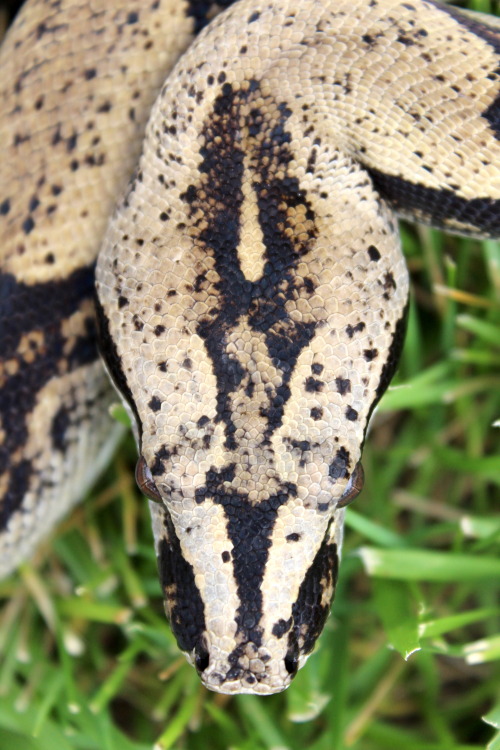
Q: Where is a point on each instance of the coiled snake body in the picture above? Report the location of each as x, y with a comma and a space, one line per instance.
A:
251, 287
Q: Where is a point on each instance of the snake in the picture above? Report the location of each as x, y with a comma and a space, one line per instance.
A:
212, 191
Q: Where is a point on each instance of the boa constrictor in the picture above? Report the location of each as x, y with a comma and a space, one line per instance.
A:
251, 288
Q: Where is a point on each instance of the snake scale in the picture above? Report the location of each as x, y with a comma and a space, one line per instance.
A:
251, 288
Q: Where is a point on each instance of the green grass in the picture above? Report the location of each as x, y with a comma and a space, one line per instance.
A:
410, 657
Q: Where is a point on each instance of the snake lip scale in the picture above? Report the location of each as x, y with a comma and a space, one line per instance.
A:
251, 291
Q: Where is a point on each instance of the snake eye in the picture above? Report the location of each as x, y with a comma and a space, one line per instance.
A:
354, 486
145, 481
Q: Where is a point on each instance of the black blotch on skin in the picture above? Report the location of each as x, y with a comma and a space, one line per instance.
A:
316, 413
311, 608
294, 537
71, 143
370, 354
28, 225
281, 627
351, 414
122, 301
406, 40
351, 330
155, 404
226, 556
158, 330
388, 284
373, 253
343, 386
33, 203
5, 207
302, 445
190, 194
138, 324
338, 469
312, 385
161, 455
187, 612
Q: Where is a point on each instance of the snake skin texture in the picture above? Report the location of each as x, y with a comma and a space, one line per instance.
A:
251, 289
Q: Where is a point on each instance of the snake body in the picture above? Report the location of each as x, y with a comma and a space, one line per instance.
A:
251, 288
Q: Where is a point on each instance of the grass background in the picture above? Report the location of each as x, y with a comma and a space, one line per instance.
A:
87, 660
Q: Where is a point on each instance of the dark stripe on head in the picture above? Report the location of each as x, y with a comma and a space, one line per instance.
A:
186, 611
439, 207
249, 528
279, 200
310, 610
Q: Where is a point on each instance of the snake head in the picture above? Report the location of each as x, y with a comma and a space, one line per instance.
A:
247, 587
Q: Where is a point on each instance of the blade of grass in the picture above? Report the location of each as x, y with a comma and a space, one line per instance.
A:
420, 565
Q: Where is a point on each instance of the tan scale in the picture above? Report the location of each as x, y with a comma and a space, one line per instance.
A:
252, 288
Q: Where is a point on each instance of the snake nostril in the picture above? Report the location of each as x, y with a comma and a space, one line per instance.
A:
202, 658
